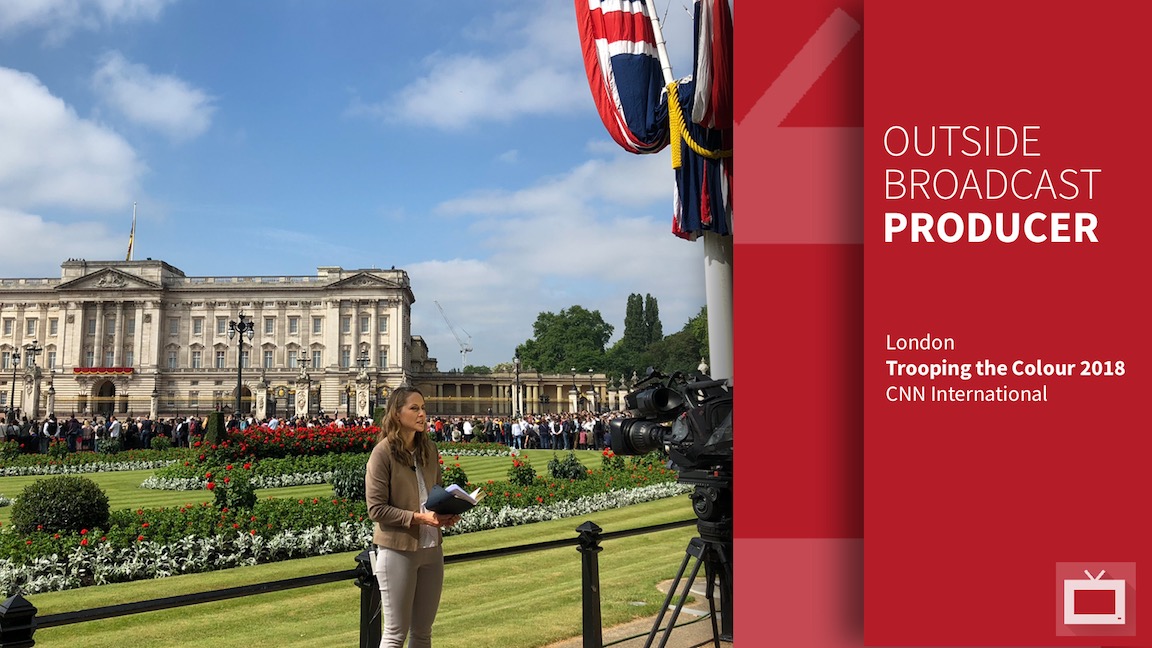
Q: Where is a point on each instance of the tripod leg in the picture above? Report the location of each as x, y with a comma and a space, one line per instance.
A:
668, 599
697, 549
710, 575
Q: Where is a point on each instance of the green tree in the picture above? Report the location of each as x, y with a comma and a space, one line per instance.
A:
682, 350
574, 337
477, 369
653, 330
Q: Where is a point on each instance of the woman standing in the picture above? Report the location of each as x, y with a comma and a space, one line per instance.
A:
403, 468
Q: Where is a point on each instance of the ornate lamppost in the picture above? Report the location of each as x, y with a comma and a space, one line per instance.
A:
575, 392
591, 391
516, 398
12, 387
238, 328
33, 350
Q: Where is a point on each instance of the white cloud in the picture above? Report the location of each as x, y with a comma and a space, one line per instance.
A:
62, 17
52, 157
576, 239
35, 247
158, 101
537, 70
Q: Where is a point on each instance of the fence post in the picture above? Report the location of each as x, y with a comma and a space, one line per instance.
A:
589, 542
370, 610
17, 623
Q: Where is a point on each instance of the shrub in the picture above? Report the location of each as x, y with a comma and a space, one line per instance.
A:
611, 461
57, 448
567, 468
521, 473
348, 483
9, 450
656, 459
454, 474
214, 428
109, 446
161, 442
234, 491
60, 504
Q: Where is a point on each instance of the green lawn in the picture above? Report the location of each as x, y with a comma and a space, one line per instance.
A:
123, 488
519, 601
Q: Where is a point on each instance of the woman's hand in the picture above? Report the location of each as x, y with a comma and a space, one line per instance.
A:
446, 521
435, 519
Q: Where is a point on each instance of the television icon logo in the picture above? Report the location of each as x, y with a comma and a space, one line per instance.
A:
1094, 601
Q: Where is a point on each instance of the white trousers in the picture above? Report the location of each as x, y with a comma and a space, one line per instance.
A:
410, 585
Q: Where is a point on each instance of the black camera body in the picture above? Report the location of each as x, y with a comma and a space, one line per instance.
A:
689, 419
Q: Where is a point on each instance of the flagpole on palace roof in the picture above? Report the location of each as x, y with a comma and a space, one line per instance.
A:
131, 234
717, 259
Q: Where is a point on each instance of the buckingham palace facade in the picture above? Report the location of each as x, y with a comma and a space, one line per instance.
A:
140, 337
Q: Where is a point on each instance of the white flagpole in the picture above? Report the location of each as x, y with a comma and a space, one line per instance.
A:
717, 258
132, 233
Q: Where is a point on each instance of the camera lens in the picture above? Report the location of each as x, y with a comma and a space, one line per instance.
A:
636, 436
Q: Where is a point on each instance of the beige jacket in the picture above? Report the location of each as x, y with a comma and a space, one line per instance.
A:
393, 497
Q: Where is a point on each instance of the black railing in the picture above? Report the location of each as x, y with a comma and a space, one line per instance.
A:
18, 620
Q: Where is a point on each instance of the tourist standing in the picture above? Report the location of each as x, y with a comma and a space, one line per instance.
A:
401, 470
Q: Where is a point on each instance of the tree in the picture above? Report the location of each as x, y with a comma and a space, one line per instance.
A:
477, 369
653, 330
574, 337
682, 350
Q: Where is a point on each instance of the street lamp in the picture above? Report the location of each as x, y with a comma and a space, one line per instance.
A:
516, 398
591, 388
33, 350
12, 387
238, 328
575, 390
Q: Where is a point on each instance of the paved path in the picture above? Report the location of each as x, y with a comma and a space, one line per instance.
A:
693, 629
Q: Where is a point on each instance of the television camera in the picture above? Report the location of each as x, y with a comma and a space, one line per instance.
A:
690, 420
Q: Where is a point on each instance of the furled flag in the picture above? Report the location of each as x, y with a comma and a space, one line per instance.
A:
701, 128
624, 71
712, 50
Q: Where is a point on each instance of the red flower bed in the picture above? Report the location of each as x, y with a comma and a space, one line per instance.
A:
261, 442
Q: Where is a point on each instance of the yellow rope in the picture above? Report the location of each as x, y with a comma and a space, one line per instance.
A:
679, 131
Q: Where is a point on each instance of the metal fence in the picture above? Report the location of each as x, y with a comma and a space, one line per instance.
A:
19, 622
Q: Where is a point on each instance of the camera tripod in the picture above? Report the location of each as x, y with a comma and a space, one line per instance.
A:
712, 502
716, 558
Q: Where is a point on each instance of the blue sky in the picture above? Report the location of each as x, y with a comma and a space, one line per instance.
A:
455, 140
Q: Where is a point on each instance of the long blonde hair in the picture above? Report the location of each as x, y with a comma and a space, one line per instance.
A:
425, 449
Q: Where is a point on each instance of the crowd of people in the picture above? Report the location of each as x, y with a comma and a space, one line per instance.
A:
568, 431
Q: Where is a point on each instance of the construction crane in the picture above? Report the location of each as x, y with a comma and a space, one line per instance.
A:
465, 347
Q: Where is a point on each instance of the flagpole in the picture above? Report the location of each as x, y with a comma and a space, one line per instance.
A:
132, 233
717, 256
661, 49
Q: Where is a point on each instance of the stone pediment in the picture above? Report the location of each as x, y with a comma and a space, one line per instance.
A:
109, 279
366, 280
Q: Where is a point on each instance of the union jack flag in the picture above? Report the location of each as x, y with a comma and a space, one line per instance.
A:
624, 73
